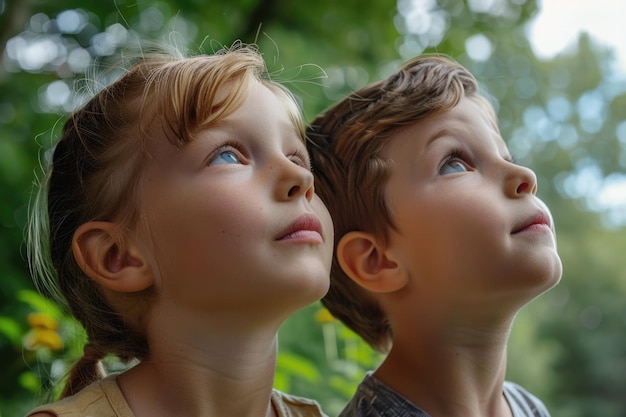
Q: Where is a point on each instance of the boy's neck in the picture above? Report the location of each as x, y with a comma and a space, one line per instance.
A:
461, 373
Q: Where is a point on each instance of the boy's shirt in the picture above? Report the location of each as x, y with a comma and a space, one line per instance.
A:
375, 399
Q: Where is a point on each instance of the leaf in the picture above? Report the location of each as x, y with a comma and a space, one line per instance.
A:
297, 366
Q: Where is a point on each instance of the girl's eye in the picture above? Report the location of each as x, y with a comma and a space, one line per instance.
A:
225, 157
302, 159
227, 153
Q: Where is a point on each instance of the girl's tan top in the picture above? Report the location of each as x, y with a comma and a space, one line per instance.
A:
105, 399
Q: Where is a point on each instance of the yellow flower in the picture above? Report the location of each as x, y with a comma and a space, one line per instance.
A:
42, 321
323, 316
44, 332
43, 338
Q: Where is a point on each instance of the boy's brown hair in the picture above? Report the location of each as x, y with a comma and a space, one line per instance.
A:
345, 144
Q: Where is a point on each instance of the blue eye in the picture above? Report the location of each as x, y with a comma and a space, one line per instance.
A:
454, 163
453, 166
225, 157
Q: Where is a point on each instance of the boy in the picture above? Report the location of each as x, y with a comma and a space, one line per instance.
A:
440, 241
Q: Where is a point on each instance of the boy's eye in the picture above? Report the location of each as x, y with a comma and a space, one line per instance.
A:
453, 166
225, 157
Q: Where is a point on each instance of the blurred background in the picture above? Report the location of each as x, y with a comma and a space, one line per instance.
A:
560, 94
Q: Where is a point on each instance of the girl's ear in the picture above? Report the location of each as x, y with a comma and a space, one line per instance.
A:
364, 260
100, 256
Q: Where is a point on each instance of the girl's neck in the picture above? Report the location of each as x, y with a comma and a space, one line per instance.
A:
220, 374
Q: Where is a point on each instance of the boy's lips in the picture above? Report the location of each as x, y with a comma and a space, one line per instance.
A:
536, 221
307, 227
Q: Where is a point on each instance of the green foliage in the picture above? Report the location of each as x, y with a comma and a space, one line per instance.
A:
562, 117
321, 358
32, 362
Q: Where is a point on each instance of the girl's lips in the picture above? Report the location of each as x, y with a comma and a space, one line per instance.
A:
307, 228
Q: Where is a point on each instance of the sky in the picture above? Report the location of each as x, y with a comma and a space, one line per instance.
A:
559, 23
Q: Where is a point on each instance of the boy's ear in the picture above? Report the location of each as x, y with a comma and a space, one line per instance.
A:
98, 254
364, 260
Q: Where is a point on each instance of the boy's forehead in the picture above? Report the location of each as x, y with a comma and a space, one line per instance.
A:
487, 108
457, 121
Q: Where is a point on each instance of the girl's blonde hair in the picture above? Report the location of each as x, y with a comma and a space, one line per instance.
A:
96, 167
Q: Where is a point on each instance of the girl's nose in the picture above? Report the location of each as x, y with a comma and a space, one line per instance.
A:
294, 181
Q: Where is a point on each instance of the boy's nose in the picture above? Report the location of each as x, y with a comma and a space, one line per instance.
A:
521, 180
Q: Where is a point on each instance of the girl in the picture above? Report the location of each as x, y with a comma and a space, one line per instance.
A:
183, 229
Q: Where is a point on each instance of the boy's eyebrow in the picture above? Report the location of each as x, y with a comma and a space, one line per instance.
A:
440, 133
445, 131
